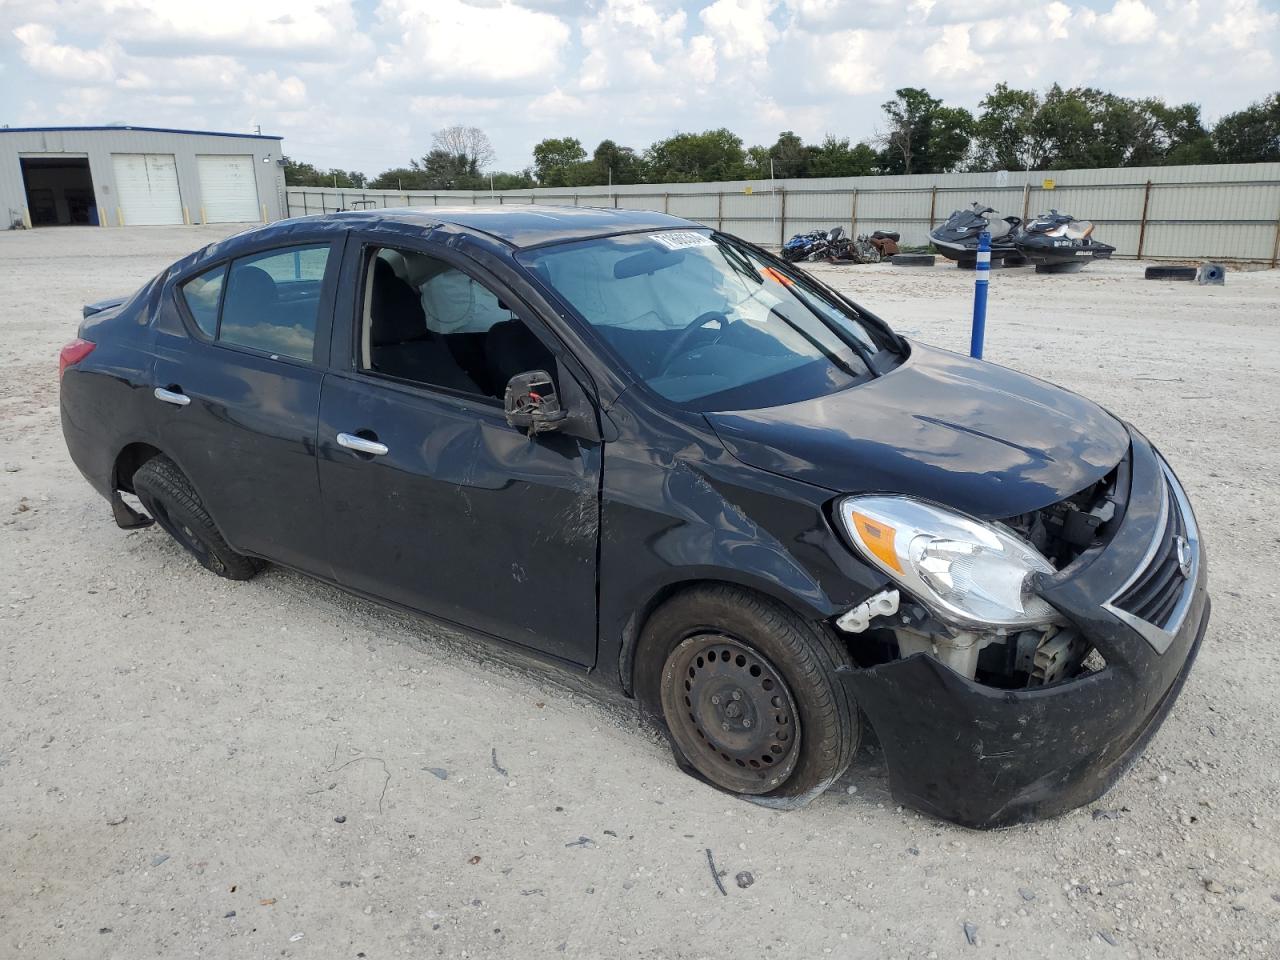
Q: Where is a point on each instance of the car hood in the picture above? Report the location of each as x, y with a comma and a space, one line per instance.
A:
973, 436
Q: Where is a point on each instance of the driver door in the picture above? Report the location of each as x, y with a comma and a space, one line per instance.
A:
444, 507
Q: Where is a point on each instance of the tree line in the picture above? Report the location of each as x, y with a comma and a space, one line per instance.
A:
1013, 129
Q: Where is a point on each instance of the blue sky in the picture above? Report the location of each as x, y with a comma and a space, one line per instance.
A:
363, 84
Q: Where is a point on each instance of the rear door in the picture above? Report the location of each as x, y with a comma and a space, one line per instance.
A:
237, 395
455, 513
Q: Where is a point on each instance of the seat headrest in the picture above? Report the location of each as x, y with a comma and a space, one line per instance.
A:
251, 287
395, 309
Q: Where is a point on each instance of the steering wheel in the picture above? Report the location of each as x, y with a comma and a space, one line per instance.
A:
685, 335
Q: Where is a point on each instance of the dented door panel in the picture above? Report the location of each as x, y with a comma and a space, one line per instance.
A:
464, 517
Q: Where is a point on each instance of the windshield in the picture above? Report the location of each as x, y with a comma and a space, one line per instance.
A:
707, 323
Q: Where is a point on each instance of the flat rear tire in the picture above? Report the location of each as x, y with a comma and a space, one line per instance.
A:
168, 496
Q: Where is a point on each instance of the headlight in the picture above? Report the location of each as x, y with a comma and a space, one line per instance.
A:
970, 573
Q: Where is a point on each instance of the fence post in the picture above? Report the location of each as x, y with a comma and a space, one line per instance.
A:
1142, 228
782, 216
933, 204
342, 200
1026, 201
666, 202
720, 210
853, 214
1275, 247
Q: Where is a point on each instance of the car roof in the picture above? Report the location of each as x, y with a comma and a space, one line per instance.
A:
522, 226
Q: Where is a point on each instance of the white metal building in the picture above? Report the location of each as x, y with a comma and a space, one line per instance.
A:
136, 176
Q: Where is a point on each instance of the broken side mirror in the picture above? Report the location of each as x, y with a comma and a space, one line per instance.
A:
531, 403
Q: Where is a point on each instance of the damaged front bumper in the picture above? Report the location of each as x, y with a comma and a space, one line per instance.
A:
985, 757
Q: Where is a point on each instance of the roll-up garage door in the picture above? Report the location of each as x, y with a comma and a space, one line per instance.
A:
228, 189
147, 188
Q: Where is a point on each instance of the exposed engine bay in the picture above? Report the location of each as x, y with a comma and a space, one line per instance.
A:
892, 624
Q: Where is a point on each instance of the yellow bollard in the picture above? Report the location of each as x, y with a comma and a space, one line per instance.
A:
26, 218
264, 213
186, 216
119, 217
203, 217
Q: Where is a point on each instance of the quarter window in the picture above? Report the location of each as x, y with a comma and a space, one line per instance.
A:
201, 294
428, 322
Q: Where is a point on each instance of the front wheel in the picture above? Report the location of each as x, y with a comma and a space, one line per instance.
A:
748, 693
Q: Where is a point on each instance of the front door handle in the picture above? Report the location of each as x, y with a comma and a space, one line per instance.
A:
176, 397
361, 445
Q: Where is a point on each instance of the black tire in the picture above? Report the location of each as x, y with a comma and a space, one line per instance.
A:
169, 498
809, 753
1170, 273
913, 259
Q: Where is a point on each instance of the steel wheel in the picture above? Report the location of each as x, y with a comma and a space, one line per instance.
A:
731, 712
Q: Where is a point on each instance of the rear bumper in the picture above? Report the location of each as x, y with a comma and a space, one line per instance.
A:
984, 757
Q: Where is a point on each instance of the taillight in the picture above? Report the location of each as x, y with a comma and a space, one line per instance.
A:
73, 353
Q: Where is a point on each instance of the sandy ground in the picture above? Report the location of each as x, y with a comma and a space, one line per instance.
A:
176, 751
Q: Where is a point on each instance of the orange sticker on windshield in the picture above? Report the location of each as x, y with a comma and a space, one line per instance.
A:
781, 278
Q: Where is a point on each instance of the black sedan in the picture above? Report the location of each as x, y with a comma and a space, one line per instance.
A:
650, 451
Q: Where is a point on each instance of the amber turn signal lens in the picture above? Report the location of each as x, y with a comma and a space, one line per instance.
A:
878, 538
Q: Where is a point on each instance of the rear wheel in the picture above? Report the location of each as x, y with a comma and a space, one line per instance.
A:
748, 693
169, 497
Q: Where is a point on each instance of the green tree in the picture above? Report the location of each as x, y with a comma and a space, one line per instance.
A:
697, 157
1184, 138
923, 135
523, 180
299, 174
1005, 134
554, 160
1251, 135
617, 164
836, 158
789, 155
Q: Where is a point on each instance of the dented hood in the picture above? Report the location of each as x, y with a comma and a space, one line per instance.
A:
973, 436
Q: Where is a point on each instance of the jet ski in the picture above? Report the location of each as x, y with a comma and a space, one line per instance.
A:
957, 238
1059, 243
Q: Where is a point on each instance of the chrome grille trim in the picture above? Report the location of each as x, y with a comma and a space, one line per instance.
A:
1160, 636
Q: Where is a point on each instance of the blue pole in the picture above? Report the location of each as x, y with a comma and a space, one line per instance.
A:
982, 274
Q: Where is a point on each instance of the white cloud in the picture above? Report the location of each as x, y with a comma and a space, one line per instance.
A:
364, 84
741, 28
455, 41
1129, 21
951, 53
42, 52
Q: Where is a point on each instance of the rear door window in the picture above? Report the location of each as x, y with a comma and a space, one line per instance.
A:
272, 301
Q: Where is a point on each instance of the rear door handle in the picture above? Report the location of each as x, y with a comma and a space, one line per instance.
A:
361, 445
176, 397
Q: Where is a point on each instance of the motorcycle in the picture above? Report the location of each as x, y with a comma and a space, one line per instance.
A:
957, 237
806, 246
1058, 243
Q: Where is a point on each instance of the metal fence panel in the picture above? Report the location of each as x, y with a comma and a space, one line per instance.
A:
1216, 211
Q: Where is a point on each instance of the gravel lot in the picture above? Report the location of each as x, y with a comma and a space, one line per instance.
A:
176, 751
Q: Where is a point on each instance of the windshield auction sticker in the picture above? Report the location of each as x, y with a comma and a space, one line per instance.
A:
682, 239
